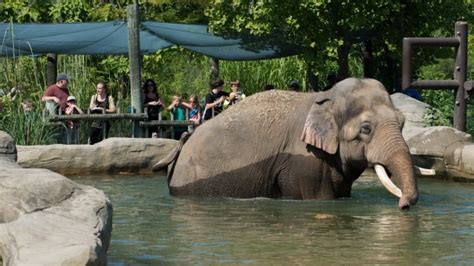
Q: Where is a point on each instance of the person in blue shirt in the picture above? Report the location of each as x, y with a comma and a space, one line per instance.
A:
178, 113
414, 93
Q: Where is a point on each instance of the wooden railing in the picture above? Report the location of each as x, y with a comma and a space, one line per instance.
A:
97, 117
141, 118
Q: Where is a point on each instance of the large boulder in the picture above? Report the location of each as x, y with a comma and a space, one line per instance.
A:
445, 149
111, 156
414, 112
46, 219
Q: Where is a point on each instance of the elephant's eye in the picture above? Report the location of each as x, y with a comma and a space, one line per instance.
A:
365, 129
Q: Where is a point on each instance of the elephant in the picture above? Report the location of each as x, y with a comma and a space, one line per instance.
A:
286, 144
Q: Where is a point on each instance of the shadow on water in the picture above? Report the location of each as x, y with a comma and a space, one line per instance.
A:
151, 227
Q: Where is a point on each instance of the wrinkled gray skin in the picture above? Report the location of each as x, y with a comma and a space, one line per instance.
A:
296, 145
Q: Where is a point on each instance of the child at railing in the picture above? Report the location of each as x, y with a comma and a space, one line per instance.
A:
177, 113
71, 126
194, 111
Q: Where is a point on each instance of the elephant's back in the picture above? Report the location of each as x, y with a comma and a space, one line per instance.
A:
251, 132
266, 109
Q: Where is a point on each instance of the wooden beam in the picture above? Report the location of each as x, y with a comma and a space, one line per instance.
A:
134, 58
170, 123
51, 69
93, 117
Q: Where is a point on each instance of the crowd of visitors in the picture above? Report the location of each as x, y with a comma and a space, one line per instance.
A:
58, 100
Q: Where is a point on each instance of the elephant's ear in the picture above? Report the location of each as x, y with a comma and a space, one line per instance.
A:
320, 129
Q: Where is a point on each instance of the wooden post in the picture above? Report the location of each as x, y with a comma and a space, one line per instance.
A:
51, 69
460, 74
214, 67
458, 84
135, 63
312, 79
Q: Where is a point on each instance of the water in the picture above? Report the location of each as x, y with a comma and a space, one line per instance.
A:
150, 227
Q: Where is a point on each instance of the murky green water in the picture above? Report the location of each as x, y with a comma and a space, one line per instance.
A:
150, 227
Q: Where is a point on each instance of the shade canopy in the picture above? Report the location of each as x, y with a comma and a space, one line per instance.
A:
111, 38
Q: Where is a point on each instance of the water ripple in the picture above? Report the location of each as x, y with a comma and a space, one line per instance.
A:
150, 227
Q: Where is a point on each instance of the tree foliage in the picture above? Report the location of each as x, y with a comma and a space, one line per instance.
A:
351, 37
327, 29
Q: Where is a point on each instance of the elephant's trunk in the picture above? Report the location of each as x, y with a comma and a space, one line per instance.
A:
393, 154
397, 165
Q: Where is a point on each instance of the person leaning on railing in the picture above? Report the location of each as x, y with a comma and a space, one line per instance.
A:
178, 113
215, 99
56, 95
152, 102
101, 103
194, 111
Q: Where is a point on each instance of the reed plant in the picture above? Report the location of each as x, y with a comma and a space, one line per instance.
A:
27, 128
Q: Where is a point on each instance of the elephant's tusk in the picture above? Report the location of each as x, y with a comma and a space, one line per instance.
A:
386, 182
424, 171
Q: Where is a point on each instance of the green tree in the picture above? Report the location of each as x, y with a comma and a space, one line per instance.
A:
329, 29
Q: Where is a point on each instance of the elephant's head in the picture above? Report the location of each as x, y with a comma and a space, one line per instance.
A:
356, 121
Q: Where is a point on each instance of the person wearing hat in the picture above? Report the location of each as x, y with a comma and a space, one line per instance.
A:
215, 99
72, 127
72, 108
57, 93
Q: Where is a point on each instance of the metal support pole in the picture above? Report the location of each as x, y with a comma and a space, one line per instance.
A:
460, 74
135, 63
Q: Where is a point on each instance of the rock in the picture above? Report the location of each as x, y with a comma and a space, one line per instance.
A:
7, 147
447, 150
460, 162
433, 141
46, 219
111, 156
413, 110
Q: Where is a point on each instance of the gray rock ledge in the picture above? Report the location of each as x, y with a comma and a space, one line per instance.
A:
46, 219
111, 156
447, 150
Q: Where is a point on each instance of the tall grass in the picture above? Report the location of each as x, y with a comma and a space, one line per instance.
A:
27, 128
